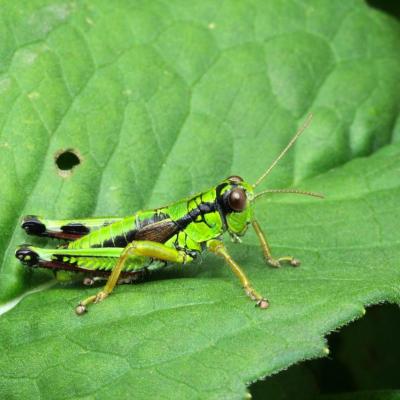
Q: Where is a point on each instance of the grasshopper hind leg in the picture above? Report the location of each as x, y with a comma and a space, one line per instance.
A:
27, 256
65, 272
145, 248
67, 229
36, 226
32, 225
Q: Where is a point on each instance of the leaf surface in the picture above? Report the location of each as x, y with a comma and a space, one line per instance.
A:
162, 99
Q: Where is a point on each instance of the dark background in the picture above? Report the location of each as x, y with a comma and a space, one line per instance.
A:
364, 356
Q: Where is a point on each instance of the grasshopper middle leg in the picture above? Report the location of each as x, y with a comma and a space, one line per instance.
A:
274, 262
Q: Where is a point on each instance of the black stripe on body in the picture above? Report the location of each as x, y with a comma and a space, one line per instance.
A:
155, 230
200, 210
140, 232
120, 240
220, 205
157, 217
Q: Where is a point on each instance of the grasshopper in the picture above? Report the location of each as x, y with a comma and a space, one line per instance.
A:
121, 249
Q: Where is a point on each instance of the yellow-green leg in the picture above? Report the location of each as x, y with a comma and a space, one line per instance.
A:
217, 247
274, 262
139, 248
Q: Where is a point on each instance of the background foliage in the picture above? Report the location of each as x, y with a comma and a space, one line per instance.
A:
161, 99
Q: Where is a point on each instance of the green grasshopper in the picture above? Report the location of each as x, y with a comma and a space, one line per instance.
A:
122, 248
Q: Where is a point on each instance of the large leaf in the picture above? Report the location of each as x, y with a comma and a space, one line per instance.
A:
163, 99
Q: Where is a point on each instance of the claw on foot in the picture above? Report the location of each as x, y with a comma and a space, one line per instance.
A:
263, 303
260, 301
88, 281
295, 262
80, 309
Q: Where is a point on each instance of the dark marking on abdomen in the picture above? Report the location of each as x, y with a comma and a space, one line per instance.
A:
121, 240
159, 228
75, 228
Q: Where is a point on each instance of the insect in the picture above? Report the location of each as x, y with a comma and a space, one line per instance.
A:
120, 249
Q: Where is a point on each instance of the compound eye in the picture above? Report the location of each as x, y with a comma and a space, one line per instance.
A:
237, 200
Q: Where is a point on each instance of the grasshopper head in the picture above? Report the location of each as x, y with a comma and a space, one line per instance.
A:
235, 196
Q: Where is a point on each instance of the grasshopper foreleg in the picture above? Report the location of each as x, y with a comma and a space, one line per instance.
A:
139, 248
218, 248
274, 262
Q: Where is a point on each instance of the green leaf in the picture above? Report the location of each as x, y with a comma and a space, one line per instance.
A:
159, 100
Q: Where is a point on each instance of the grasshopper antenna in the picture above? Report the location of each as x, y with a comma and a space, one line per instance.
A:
295, 191
290, 144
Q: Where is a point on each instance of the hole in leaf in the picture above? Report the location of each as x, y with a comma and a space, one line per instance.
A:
66, 160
